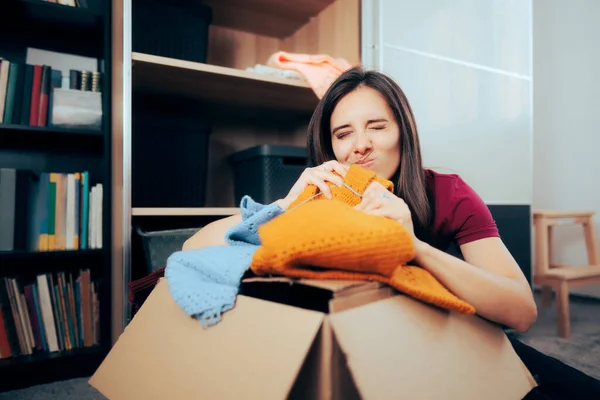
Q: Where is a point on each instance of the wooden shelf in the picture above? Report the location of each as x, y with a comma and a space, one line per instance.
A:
200, 81
276, 18
46, 356
31, 137
41, 255
162, 212
29, 264
44, 367
4, 128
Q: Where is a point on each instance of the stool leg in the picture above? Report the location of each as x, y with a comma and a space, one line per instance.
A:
562, 308
590, 242
542, 248
546, 296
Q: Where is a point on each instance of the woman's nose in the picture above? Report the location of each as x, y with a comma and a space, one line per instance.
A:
363, 143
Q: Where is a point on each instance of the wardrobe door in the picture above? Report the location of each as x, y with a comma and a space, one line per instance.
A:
465, 66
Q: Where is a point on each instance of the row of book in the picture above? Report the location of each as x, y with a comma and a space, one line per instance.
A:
49, 211
27, 91
55, 312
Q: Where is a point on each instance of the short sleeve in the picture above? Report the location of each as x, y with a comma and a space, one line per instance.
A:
472, 219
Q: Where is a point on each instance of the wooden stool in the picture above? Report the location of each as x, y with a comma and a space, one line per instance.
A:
562, 277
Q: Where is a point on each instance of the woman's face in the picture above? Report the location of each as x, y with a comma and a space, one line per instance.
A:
365, 132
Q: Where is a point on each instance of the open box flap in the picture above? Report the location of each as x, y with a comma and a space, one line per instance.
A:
401, 348
254, 352
335, 286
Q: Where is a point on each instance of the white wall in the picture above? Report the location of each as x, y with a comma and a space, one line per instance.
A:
506, 93
566, 70
465, 66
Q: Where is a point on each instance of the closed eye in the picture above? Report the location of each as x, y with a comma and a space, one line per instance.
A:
377, 124
342, 135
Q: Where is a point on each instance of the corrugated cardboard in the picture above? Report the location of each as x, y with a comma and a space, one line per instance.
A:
370, 343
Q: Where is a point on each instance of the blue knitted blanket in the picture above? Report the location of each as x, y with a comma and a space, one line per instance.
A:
205, 282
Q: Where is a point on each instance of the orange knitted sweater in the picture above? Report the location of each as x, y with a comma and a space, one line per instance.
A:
318, 238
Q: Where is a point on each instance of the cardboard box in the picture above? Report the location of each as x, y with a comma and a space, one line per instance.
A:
341, 340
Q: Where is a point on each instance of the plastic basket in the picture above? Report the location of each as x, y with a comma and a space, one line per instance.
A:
267, 172
159, 245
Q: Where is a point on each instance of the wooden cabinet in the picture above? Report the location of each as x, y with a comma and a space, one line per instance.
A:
244, 108
249, 108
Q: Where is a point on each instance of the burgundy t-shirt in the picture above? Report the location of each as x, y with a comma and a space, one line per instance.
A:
459, 214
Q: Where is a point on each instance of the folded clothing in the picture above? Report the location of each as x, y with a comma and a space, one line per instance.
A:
318, 238
319, 70
356, 181
205, 282
264, 69
314, 238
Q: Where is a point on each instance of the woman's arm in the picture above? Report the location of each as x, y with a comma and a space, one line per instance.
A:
489, 279
212, 234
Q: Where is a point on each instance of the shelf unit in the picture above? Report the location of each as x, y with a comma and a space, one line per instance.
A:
198, 211
83, 32
243, 108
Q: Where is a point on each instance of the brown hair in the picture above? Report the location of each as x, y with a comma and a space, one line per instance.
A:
409, 179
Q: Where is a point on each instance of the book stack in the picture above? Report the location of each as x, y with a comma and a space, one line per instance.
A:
49, 211
27, 91
51, 313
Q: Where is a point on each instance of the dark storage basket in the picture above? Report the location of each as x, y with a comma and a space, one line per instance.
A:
171, 28
159, 245
267, 172
170, 162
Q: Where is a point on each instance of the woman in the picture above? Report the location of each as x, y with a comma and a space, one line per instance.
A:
365, 118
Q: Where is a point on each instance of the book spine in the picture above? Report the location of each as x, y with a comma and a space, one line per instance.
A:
4, 72
8, 186
27, 93
36, 87
11, 90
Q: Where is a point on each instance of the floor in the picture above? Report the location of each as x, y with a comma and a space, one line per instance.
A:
582, 351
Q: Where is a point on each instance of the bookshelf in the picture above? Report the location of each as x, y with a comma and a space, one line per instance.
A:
242, 108
76, 306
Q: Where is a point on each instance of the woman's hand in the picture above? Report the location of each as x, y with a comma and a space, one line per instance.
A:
377, 200
318, 176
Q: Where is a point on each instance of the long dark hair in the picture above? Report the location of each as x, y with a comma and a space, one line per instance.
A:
409, 179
